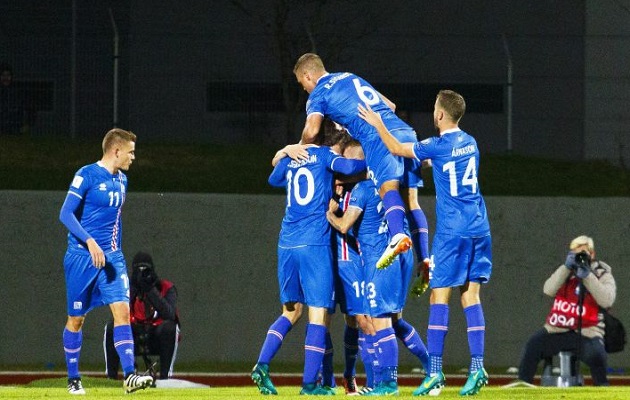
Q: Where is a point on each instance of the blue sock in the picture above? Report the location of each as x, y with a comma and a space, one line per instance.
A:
72, 347
388, 354
394, 212
328, 374
410, 337
351, 349
419, 233
476, 335
436, 333
366, 357
314, 348
275, 335
123, 342
374, 352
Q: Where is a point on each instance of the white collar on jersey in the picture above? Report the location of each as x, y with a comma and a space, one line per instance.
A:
450, 131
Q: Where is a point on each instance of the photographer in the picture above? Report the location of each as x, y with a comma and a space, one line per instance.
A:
580, 270
154, 318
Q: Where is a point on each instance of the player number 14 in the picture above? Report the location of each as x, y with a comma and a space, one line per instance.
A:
469, 178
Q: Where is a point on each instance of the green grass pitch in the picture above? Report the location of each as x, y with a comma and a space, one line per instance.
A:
100, 388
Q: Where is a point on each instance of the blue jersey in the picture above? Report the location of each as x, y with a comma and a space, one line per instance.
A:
460, 208
101, 195
349, 273
347, 246
371, 227
337, 96
385, 290
309, 188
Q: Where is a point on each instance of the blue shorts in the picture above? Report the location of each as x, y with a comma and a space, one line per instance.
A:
383, 166
305, 275
456, 260
88, 287
349, 286
386, 289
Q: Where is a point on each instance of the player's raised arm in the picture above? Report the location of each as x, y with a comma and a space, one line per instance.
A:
311, 128
393, 145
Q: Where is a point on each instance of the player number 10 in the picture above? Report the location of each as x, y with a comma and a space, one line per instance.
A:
293, 183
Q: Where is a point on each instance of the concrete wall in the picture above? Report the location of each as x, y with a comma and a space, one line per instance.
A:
220, 250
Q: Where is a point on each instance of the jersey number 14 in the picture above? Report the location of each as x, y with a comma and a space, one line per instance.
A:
469, 178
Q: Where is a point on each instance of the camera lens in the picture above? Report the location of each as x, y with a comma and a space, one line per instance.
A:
583, 258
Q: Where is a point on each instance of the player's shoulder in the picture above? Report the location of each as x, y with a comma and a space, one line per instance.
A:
363, 188
89, 172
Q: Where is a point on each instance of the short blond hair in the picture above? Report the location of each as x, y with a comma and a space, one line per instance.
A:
309, 62
581, 241
453, 104
116, 136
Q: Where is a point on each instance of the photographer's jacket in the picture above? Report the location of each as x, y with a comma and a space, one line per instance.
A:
155, 306
601, 291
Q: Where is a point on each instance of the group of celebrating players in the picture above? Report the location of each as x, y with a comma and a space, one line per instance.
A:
360, 180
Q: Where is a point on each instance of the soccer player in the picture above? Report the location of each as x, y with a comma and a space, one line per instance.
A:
348, 276
95, 268
336, 95
305, 261
461, 252
384, 291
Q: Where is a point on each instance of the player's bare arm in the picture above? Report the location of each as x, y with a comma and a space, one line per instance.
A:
344, 222
98, 257
311, 128
294, 151
393, 145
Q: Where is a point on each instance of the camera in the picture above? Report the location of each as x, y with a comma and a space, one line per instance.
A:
583, 259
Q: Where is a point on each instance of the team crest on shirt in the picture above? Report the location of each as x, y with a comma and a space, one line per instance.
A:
102, 187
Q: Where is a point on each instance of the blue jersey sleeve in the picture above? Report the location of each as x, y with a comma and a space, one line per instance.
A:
347, 166
67, 217
278, 176
74, 200
426, 149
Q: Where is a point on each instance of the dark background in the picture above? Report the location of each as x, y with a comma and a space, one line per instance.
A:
200, 71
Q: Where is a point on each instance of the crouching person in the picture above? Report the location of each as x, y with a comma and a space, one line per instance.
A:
154, 319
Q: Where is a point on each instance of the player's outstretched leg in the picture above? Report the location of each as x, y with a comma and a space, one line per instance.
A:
400, 243
135, 382
395, 216
260, 376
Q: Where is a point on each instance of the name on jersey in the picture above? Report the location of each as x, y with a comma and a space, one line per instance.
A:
298, 163
462, 151
334, 80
